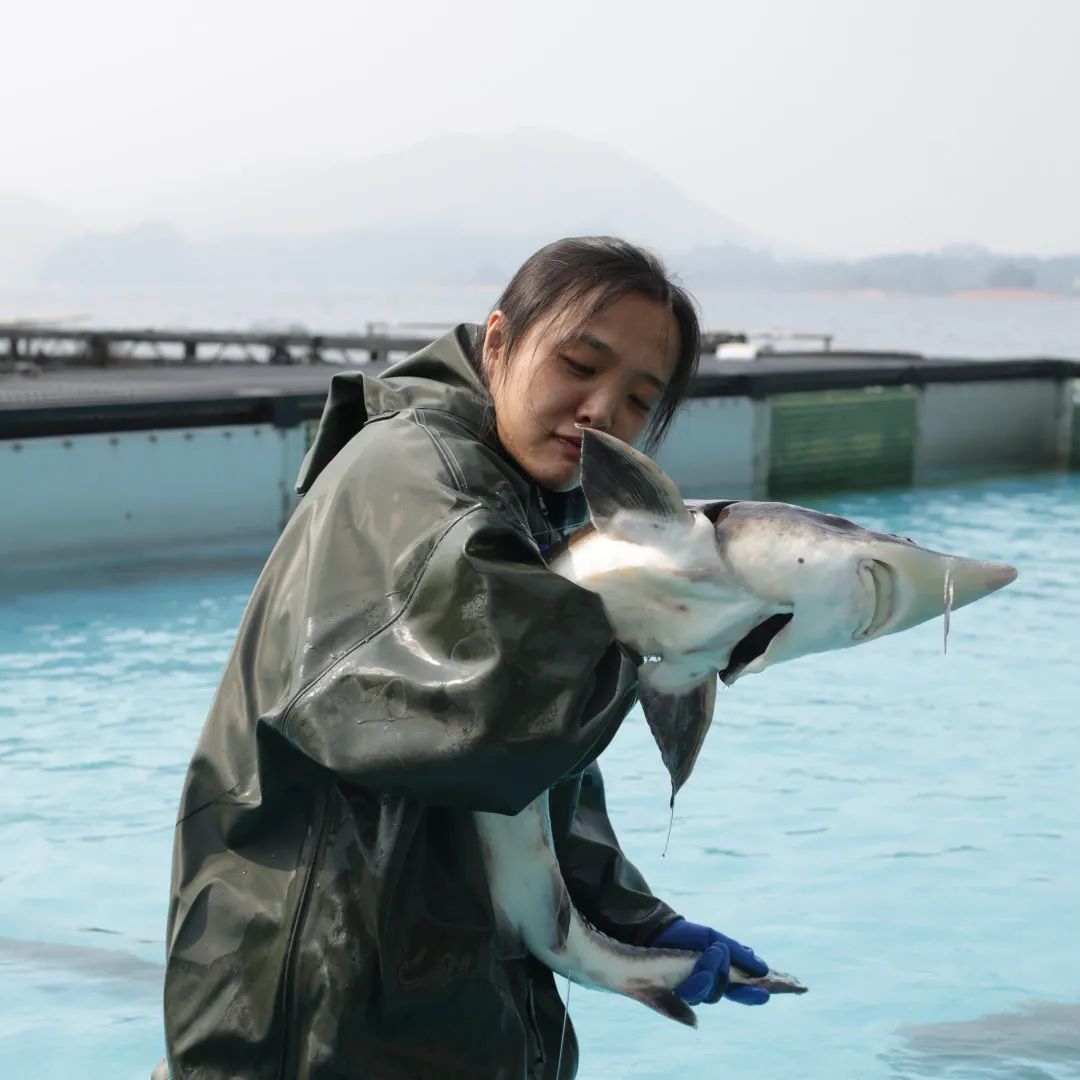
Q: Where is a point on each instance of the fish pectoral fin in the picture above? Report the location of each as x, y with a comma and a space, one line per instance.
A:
666, 1003
616, 477
678, 717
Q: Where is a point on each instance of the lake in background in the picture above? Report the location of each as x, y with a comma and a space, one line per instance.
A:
935, 326
895, 826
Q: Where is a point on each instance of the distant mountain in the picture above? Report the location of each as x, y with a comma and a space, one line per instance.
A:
531, 184
155, 255
29, 230
151, 255
454, 209
459, 210
954, 269
373, 257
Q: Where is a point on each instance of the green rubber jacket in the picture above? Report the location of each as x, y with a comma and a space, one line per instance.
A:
406, 657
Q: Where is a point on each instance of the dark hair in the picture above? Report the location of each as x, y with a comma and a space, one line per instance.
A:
590, 273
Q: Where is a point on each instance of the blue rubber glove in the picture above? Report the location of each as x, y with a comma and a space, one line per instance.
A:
708, 982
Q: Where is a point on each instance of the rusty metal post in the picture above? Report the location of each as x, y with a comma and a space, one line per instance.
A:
97, 350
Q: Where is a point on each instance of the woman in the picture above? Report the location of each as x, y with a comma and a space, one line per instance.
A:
407, 657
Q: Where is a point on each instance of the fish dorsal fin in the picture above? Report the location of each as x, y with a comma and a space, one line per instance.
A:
615, 478
679, 721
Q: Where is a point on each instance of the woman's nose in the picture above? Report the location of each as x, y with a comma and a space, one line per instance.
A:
597, 411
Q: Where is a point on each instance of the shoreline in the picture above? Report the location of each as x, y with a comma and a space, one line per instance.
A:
1010, 294
1007, 294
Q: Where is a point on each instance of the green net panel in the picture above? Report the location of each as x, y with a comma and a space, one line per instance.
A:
842, 439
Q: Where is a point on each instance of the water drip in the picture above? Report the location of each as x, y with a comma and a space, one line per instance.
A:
949, 594
671, 822
562, 1037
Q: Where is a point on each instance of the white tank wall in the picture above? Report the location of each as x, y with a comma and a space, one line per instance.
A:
93, 495
974, 428
711, 448
1072, 420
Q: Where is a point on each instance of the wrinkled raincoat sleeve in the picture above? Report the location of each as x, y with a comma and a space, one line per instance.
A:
604, 885
472, 676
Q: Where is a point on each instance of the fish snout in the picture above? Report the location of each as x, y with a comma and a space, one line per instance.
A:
915, 585
971, 579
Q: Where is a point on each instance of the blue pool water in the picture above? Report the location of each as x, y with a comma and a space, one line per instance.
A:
895, 826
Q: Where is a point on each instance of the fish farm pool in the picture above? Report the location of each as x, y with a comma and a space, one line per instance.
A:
895, 826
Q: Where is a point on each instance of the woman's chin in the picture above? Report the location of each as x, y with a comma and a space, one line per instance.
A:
557, 475
551, 466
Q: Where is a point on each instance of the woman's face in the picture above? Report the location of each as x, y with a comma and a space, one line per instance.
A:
610, 375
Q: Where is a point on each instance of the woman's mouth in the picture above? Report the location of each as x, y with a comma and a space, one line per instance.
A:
570, 447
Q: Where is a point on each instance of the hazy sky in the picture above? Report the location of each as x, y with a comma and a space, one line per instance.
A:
838, 126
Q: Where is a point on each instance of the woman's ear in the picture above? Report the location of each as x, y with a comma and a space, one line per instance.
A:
494, 343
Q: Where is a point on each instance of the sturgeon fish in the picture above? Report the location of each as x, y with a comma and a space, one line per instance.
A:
704, 590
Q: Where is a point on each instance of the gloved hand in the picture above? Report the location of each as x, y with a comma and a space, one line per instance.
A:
709, 981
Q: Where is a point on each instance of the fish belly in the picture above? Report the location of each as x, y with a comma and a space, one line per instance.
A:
529, 894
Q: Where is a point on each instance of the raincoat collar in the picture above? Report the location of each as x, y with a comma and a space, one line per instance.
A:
440, 376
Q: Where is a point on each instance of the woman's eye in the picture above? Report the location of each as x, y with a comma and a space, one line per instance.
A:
578, 369
640, 404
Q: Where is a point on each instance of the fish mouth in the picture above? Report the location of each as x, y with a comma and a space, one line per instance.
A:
753, 645
880, 578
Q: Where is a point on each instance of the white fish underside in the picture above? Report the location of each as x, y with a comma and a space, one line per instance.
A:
530, 897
